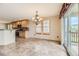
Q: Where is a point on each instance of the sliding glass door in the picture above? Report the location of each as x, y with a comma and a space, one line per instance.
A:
71, 30
66, 31
73, 35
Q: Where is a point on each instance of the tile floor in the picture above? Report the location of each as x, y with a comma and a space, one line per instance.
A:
33, 47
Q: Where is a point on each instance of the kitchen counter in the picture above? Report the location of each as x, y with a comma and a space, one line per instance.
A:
7, 36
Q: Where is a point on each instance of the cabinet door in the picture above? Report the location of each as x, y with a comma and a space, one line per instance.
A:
24, 23
14, 25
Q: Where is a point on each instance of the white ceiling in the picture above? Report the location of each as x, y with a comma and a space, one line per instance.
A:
15, 11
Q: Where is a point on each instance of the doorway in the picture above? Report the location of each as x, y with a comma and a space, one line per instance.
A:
71, 30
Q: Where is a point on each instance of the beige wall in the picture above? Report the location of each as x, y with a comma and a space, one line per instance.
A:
54, 29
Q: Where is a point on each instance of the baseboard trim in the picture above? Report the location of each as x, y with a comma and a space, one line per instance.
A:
59, 42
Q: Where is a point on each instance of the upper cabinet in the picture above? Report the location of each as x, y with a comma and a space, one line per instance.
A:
25, 23
14, 25
17, 24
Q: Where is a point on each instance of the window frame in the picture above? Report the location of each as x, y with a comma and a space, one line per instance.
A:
36, 28
46, 33
42, 25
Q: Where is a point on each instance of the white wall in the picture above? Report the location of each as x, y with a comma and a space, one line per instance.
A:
55, 29
2, 24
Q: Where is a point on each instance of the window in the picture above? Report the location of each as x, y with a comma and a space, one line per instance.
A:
43, 27
38, 28
46, 26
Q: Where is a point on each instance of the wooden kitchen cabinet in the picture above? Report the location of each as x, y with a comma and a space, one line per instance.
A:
24, 23
14, 25
22, 34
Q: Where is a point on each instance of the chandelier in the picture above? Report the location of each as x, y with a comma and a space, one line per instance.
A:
36, 18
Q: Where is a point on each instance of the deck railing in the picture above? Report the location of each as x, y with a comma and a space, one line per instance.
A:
74, 37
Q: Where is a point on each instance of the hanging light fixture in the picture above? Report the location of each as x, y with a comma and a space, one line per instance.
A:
36, 18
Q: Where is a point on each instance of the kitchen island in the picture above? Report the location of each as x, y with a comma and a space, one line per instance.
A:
7, 36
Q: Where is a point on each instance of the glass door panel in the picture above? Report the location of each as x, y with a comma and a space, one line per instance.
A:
71, 30
73, 35
65, 30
